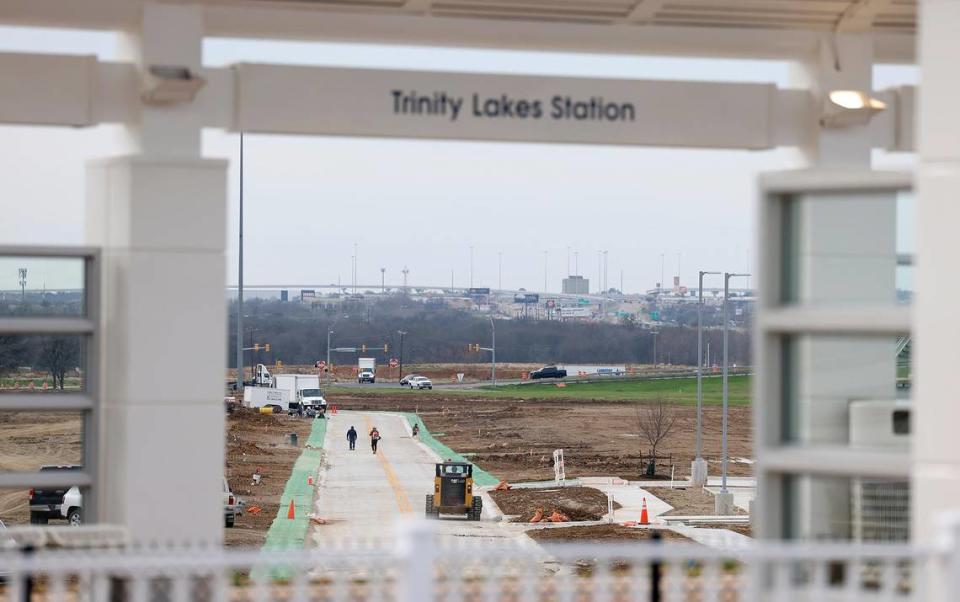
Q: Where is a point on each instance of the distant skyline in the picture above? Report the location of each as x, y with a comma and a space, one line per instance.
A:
423, 203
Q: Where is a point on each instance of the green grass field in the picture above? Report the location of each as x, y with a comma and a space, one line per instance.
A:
672, 390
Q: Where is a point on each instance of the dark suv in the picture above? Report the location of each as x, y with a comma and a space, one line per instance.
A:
548, 372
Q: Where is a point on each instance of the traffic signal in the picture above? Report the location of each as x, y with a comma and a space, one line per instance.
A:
473, 347
363, 348
267, 347
256, 346
386, 348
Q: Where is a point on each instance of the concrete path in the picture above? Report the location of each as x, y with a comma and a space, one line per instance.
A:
362, 495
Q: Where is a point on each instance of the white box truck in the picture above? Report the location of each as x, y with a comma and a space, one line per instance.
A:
367, 372
258, 397
300, 388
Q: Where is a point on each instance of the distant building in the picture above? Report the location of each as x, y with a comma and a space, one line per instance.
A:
576, 285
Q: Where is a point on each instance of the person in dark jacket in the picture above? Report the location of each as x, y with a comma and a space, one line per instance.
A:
352, 438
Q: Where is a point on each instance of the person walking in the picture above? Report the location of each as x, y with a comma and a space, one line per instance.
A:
374, 438
352, 438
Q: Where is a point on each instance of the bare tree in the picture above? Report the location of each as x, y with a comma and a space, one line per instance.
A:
57, 355
655, 423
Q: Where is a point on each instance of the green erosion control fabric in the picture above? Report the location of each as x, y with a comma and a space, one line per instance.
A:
480, 476
285, 533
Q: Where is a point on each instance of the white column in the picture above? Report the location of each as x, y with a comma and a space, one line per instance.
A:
845, 255
160, 218
936, 352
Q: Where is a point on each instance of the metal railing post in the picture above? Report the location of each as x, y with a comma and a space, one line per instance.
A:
416, 552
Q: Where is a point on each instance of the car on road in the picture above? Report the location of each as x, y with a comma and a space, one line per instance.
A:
420, 382
548, 372
405, 381
50, 502
366, 376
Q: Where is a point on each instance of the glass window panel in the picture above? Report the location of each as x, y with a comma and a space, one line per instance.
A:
857, 509
846, 390
42, 363
42, 286
843, 249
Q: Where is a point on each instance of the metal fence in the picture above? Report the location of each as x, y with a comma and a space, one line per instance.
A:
420, 566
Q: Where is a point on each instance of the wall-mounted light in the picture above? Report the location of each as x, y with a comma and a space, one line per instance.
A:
849, 108
167, 85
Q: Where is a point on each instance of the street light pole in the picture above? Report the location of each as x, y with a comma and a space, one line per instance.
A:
240, 283
401, 333
698, 471
724, 500
329, 366
493, 350
383, 280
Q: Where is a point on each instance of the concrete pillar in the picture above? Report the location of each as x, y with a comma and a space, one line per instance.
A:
936, 327
846, 255
160, 218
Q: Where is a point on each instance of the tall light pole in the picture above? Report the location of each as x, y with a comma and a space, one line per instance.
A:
568, 261
724, 500
576, 262
22, 274
383, 280
240, 282
545, 271
401, 333
493, 351
329, 366
471, 266
698, 470
499, 270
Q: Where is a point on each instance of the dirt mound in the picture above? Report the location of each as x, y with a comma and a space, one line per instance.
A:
579, 503
601, 532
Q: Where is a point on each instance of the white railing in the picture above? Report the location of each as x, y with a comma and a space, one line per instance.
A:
417, 566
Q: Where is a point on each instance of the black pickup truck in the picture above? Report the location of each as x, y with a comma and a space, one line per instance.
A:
45, 503
548, 372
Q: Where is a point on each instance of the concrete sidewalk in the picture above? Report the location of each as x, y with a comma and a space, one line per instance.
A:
362, 495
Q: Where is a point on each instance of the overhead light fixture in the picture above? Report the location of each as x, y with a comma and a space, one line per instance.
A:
168, 85
849, 108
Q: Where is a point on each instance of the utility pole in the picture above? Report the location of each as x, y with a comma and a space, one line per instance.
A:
698, 470
471, 266
724, 499
493, 351
22, 272
401, 333
329, 365
405, 272
499, 271
356, 261
240, 282
576, 262
661, 272
383, 279
568, 261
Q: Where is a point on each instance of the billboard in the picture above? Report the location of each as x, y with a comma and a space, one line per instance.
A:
530, 298
476, 292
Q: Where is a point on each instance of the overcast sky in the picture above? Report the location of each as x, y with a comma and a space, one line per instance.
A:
423, 203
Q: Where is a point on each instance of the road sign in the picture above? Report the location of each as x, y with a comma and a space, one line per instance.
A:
320, 365
459, 377
394, 362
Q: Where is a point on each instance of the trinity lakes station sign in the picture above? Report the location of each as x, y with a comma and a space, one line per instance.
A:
518, 108
504, 106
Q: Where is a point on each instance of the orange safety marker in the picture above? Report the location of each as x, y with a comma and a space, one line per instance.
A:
310, 479
333, 409
644, 519
291, 514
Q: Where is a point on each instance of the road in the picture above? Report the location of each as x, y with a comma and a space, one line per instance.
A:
361, 495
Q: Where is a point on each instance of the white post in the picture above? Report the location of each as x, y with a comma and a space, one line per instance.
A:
160, 217
936, 455
417, 552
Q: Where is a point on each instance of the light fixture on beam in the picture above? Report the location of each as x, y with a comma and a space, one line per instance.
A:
168, 85
849, 108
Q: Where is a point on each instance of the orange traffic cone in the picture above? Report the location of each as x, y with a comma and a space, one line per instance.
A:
309, 479
333, 409
290, 513
644, 519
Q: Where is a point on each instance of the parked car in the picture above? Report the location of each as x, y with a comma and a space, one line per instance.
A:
232, 505
548, 372
420, 382
49, 503
405, 381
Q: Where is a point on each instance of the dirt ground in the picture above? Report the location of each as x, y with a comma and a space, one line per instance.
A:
690, 501
579, 503
29, 440
601, 532
515, 440
258, 440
